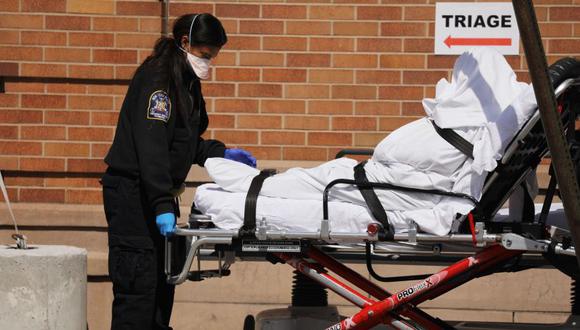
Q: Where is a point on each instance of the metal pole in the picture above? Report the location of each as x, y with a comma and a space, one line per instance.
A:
559, 149
165, 18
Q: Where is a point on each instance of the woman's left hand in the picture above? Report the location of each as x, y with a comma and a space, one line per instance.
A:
240, 155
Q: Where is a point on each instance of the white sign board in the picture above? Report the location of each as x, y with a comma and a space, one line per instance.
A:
463, 25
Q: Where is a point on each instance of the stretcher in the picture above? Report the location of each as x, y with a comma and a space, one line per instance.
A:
476, 246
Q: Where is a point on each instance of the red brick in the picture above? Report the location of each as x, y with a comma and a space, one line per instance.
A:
260, 90
222, 121
564, 46
12, 192
104, 118
332, 12
8, 100
236, 105
419, 13
403, 61
330, 107
261, 27
21, 53
354, 123
307, 60
90, 134
43, 70
100, 150
368, 139
377, 108
332, 44
418, 45
392, 123
43, 101
401, 93
355, 28
42, 133
284, 75
359, 61
24, 181
403, 29
8, 163
42, 164
261, 59
413, 109
423, 77
20, 116
230, 25
115, 56
261, 153
235, 10
307, 91
307, 122
379, 45
20, 148
9, 69
25, 87
115, 24
308, 28
86, 165
43, 38
225, 58
138, 8
331, 76
67, 55
259, 121
182, 8
21, 21
235, 74
379, 13
283, 11
43, 195
219, 89
378, 77
354, 92
43, 6
329, 139
91, 71
133, 41
297, 153
67, 117
243, 43
125, 71
440, 61
8, 132
564, 14
9, 37
84, 196
283, 106
90, 102
91, 39
67, 149
149, 24
284, 43
10, 5
282, 138
228, 137
56, 88
75, 23
556, 30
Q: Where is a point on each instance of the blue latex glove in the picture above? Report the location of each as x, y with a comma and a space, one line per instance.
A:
166, 223
240, 155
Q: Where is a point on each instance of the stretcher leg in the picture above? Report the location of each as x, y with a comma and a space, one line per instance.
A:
438, 283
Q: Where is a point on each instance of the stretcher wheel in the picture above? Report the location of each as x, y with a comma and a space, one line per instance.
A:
249, 322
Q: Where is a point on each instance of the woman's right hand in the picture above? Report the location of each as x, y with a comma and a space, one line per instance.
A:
166, 223
240, 155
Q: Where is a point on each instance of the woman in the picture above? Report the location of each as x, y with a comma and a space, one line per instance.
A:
158, 138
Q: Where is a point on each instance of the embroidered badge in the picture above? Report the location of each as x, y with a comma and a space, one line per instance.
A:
159, 106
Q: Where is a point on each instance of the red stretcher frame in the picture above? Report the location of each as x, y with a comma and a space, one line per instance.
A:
395, 309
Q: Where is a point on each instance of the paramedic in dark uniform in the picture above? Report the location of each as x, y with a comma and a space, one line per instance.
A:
158, 138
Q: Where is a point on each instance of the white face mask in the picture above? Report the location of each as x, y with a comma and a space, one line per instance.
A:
199, 65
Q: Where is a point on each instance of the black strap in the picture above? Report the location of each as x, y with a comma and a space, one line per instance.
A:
370, 197
249, 226
529, 209
454, 139
549, 197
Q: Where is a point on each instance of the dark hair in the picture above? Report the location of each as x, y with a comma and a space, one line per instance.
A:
169, 62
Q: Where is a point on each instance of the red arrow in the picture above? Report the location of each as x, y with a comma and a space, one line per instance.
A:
477, 41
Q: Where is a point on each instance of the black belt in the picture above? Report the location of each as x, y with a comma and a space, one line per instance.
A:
454, 139
249, 227
373, 202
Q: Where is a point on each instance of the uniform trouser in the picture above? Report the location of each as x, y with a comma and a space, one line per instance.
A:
142, 298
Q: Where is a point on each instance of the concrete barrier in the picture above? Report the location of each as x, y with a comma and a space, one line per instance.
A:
44, 287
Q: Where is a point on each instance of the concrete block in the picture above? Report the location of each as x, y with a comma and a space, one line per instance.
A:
43, 288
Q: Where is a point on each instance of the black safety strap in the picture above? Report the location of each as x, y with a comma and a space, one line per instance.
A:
549, 197
529, 209
249, 227
370, 197
454, 139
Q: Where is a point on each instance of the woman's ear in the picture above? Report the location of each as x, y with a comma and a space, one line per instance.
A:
184, 42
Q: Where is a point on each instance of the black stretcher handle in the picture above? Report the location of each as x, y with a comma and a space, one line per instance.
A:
363, 152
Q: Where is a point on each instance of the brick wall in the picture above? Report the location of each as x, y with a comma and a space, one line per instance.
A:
298, 80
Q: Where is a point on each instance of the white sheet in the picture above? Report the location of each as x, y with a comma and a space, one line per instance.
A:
483, 94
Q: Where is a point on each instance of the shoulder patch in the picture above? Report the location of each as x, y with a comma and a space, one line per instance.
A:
159, 106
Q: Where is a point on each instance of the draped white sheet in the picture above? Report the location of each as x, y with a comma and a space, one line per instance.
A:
484, 103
